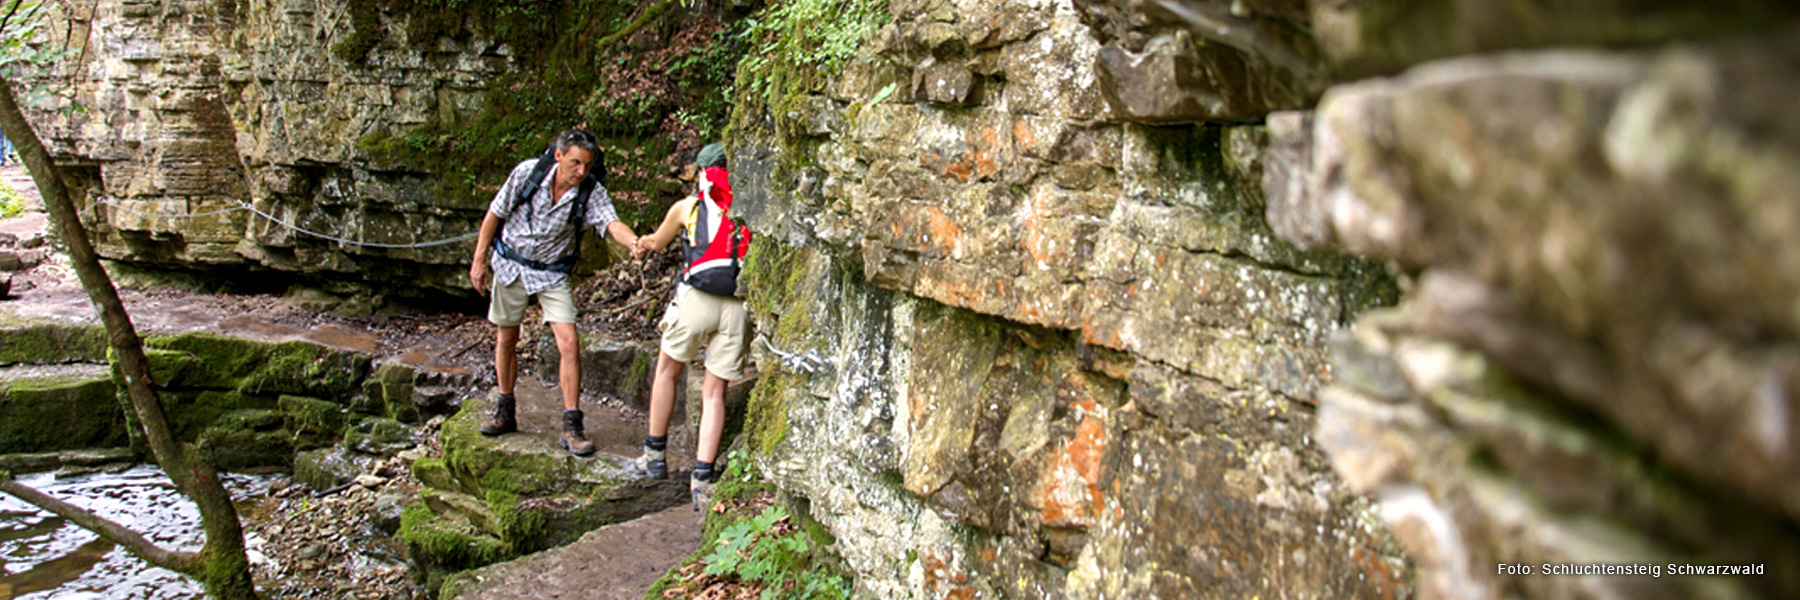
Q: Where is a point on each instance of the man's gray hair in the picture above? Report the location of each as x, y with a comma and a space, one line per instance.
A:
577, 138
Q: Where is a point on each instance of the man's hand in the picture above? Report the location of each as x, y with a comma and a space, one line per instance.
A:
638, 249
479, 275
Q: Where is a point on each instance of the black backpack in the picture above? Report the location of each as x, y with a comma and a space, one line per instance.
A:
596, 176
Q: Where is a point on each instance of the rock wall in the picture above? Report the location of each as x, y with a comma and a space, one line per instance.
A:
1048, 288
1596, 360
1024, 342
198, 107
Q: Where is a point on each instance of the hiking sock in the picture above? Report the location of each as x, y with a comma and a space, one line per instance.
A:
703, 471
656, 442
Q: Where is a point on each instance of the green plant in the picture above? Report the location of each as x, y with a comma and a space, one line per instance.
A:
769, 551
11, 202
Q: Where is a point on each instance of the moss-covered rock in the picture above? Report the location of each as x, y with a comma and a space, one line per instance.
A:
248, 438
520, 464
59, 408
211, 361
314, 422
389, 393
42, 341
379, 436
447, 545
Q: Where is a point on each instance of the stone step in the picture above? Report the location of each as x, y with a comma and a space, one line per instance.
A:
616, 562
495, 498
44, 340
50, 408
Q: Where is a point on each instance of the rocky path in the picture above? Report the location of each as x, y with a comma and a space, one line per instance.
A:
611, 563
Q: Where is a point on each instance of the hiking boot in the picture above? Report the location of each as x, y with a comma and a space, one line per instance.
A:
702, 491
572, 438
503, 421
652, 464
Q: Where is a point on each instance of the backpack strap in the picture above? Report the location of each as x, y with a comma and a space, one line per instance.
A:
545, 162
577, 216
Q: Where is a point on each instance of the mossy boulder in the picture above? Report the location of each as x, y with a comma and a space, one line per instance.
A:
447, 545
59, 408
248, 438
389, 393
315, 423
521, 464
210, 361
379, 436
42, 341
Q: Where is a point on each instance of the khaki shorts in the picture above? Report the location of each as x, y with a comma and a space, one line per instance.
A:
697, 318
507, 307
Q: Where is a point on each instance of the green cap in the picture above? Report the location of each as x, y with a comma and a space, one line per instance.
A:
713, 155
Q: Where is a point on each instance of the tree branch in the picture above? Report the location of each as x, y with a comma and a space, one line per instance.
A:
183, 562
649, 15
7, 20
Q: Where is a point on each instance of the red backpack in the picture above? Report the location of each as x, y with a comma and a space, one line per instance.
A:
714, 244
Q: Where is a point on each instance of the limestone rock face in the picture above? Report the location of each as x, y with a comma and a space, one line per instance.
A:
1020, 345
1597, 359
209, 109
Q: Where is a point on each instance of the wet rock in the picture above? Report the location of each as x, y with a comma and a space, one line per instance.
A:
248, 438
9, 261
379, 436
327, 468
389, 505
434, 400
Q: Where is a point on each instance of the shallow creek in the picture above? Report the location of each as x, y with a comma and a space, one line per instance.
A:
44, 557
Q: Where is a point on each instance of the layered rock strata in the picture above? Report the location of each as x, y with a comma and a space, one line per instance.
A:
1017, 345
209, 108
1596, 362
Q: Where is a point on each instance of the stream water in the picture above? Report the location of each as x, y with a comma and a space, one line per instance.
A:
42, 556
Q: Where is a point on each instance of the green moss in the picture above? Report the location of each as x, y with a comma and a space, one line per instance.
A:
31, 342
447, 544
474, 460
313, 423
471, 153
799, 46
524, 529
63, 411
765, 422
245, 439
432, 472
366, 32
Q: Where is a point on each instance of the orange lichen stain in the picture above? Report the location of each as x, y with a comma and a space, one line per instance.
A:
1093, 334
1386, 580
1071, 494
945, 233
963, 170
1162, 259
1023, 136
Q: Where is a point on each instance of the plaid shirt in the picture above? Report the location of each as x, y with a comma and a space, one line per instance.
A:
542, 232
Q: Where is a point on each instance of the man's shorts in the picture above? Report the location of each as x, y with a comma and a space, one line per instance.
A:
720, 323
507, 307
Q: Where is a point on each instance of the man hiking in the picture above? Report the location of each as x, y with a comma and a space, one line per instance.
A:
534, 223
705, 311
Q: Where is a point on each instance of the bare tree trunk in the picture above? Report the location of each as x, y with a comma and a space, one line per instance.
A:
221, 565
